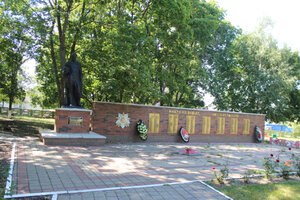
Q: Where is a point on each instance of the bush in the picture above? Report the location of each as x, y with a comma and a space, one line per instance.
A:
222, 174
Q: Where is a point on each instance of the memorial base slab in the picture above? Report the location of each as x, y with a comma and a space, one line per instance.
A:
50, 137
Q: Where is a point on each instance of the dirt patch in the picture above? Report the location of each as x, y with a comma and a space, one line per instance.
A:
5, 150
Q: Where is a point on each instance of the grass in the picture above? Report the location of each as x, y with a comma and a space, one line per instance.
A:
289, 138
217, 154
31, 119
267, 139
214, 162
258, 171
288, 190
284, 135
25, 126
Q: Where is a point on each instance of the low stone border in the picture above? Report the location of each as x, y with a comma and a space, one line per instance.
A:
287, 143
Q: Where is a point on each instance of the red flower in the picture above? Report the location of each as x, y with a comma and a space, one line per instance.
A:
271, 155
277, 160
213, 168
290, 148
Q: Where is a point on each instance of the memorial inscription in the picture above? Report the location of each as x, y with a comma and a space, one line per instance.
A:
75, 121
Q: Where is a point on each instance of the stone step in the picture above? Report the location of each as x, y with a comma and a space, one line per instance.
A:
50, 137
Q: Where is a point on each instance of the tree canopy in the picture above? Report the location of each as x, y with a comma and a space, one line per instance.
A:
150, 51
15, 46
256, 76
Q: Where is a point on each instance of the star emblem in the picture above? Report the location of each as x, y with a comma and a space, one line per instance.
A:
123, 120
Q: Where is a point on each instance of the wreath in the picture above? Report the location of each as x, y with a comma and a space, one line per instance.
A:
258, 134
142, 130
184, 135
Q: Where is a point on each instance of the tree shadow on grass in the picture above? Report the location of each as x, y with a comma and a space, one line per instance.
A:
23, 128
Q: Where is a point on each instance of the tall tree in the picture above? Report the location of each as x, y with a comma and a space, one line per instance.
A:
294, 105
15, 46
56, 26
257, 78
67, 17
154, 46
131, 51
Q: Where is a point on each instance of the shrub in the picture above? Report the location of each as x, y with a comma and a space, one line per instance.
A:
270, 164
285, 169
296, 164
222, 174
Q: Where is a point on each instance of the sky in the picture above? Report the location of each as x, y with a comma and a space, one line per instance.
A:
247, 14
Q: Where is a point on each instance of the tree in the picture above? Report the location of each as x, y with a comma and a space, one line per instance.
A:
14, 47
67, 17
131, 51
56, 27
294, 105
218, 59
154, 46
256, 78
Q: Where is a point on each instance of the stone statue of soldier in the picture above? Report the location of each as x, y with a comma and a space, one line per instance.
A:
73, 82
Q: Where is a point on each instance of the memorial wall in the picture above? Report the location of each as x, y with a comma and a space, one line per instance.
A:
118, 123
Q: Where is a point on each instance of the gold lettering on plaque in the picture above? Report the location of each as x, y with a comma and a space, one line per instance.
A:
246, 129
206, 125
234, 126
154, 122
221, 125
173, 124
190, 124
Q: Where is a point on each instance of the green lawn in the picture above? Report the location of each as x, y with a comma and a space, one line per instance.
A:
295, 136
25, 126
287, 190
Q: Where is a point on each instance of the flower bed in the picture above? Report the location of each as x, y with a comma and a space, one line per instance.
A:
287, 143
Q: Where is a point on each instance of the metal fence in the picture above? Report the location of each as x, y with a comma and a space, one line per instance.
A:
28, 112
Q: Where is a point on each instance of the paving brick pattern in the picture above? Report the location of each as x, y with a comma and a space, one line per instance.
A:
40, 168
187, 191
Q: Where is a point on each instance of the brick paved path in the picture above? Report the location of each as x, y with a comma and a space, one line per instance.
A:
39, 168
187, 191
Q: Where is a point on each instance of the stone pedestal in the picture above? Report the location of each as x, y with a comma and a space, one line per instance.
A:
72, 128
70, 120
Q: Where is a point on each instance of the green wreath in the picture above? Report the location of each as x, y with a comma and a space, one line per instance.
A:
142, 130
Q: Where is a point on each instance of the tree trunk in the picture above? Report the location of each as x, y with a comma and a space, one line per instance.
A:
10, 108
62, 29
62, 64
13, 89
121, 95
57, 78
78, 30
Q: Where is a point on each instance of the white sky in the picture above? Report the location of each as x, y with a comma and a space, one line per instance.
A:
247, 14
